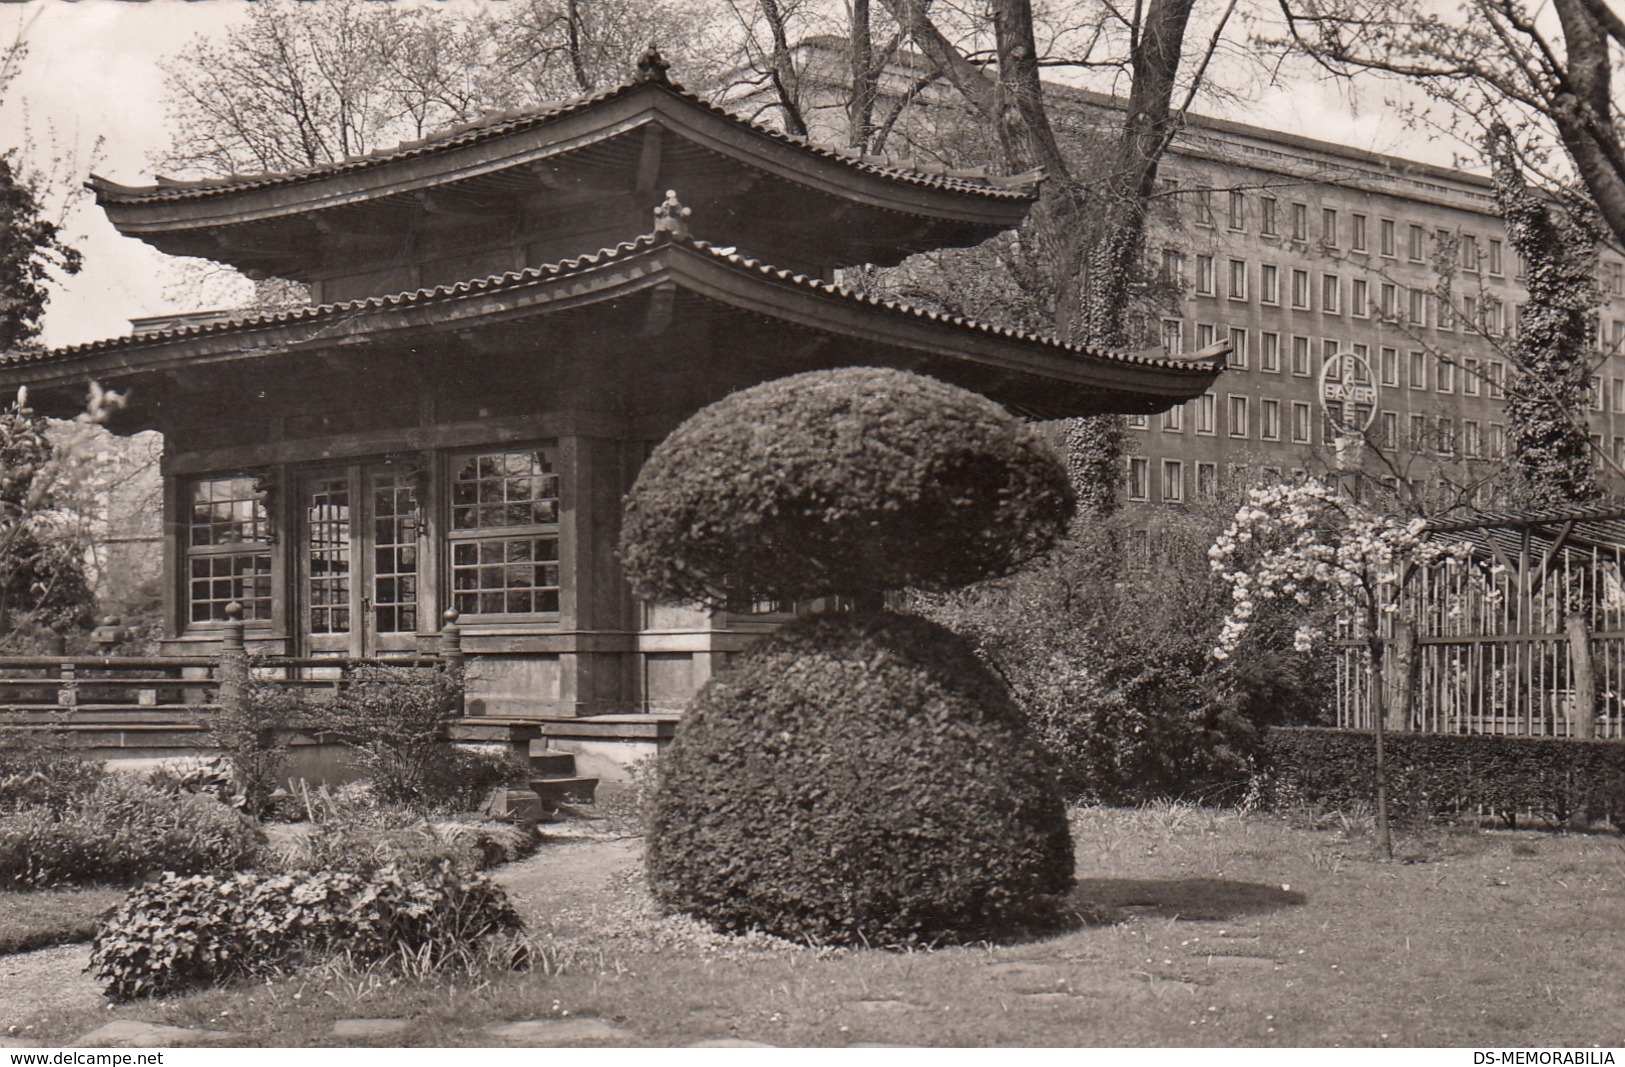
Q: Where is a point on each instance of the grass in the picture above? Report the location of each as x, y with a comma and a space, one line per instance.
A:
44, 917
1210, 928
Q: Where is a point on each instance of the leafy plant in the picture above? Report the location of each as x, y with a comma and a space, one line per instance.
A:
253, 731
41, 768
178, 932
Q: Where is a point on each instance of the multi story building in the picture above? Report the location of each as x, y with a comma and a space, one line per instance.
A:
1296, 251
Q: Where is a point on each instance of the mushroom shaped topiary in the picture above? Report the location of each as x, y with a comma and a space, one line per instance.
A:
861, 778
842, 482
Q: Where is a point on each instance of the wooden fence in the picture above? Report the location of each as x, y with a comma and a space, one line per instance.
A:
1527, 638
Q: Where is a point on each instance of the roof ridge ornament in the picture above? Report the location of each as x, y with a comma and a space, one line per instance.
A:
671, 217
652, 66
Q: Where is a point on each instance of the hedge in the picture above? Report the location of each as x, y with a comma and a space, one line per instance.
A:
1432, 775
841, 483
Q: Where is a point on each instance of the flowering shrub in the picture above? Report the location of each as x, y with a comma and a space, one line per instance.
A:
1308, 545
183, 931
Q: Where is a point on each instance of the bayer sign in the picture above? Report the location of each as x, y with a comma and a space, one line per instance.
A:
1348, 393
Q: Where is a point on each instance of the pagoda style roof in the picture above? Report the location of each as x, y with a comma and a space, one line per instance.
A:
818, 324
741, 179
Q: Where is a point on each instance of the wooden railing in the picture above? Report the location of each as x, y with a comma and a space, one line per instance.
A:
135, 688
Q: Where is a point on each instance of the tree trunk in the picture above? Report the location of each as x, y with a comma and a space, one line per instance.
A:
1583, 112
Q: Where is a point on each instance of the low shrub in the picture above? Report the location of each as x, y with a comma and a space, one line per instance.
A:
1435, 775
120, 831
394, 721
253, 732
179, 932
366, 840
861, 779
40, 767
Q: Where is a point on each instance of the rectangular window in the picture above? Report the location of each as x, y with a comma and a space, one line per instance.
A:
1619, 396
1471, 319
1269, 284
504, 535
1238, 415
1300, 357
1173, 420
1300, 422
1419, 370
1269, 352
1238, 279
1139, 478
1469, 377
1238, 347
1446, 377
1498, 373
1237, 214
1300, 222
1418, 243
1445, 316
1498, 440
1495, 316
1496, 257
1207, 414
1204, 335
1390, 366
1266, 211
1269, 419
1328, 350
1204, 276
1385, 238
1387, 300
1446, 441
1173, 481
1359, 298
1390, 429
1418, 311
1472, 441
1357, 232
1173, 336
1204, 207
1596, 393
1139, 422
1469, 253
1328, 226
1207, 481
228, 549
1419, 433
1300, 289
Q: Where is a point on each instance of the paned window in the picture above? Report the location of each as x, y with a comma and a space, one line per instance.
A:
1238, 279
1328, 226
1238, 209
1469, 376
1204, 207
1173, 481
1238, 347
1497, 257
1390, 366
505, 534
228, 549
1269, 352
1418, 309
1300, 222
1173, 336
1139, 478
1300, 422
1269, 419
1173, 267
1300, 357
1357, 232
1385, 238
1207, 414
1266, 211
1269, 284
1207, 481
1300, 289
1359, 298
1204, 275
1173, 420
1238, 415
1418, 243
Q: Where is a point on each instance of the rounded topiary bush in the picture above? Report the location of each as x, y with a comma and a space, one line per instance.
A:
858, 779
841, 482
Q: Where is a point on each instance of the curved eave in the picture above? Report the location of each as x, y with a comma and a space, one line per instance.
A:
550, 136
1032, 374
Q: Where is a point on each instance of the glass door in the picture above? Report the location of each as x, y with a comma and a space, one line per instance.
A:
358, 560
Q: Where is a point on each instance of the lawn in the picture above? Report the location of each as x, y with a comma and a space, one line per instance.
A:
1206, 928
30, 920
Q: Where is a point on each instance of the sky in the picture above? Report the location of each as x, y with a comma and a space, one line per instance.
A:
91, 85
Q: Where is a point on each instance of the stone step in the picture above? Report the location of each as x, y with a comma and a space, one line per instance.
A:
556, 791
548, 764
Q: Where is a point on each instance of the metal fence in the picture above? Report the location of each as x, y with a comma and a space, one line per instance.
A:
1526, 638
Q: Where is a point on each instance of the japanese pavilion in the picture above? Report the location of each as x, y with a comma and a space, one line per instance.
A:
505, 318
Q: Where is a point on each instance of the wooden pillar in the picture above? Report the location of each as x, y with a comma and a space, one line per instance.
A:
232, 675
593, 598
1583, 715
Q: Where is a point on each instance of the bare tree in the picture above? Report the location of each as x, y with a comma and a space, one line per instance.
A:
1548, 77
